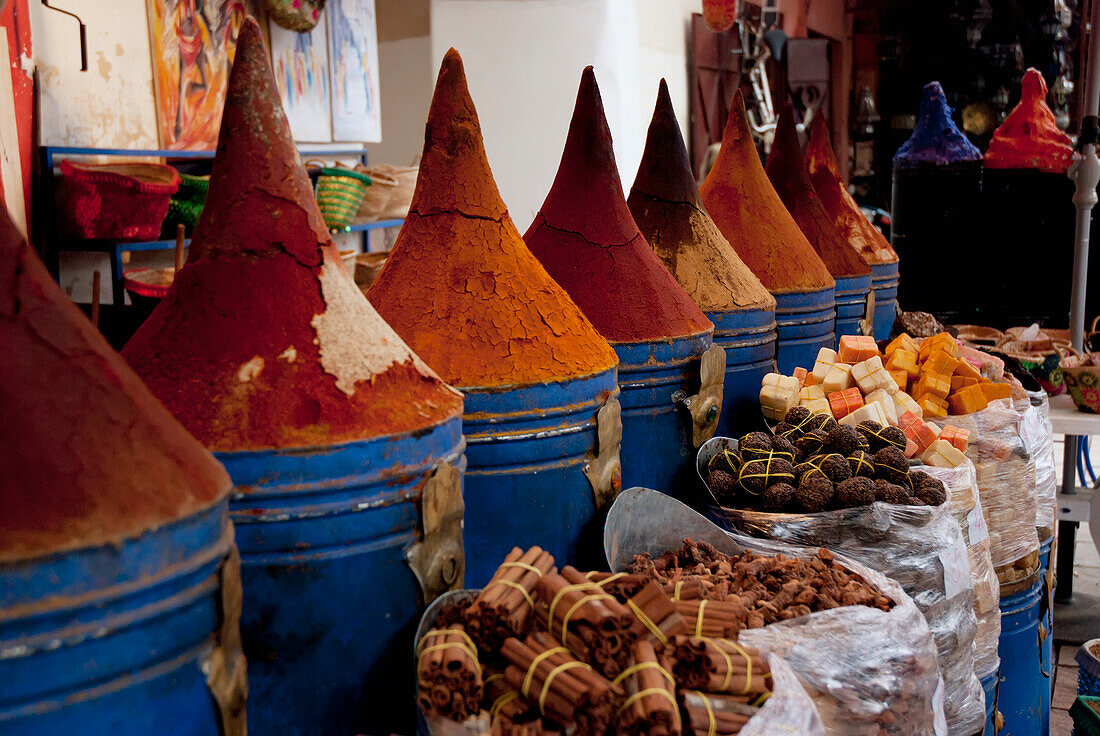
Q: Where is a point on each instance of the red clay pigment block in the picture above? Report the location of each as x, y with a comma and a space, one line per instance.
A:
587, 240
1029, 138
460, 285
263, 340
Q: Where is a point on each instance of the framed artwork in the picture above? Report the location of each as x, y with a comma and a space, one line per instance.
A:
300, 61
192, 44
353, 70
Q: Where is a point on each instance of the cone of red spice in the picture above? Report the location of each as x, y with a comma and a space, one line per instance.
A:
751, 216
263, 340
666, 207
788, 175
587, 239
838, 204
460, 284
1029, 138
90, 456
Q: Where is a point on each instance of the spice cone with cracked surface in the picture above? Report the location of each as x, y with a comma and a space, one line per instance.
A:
263, 339
839, 205
787, 174
90, 456
666, 207
460, 284
587, 239
1029, 138
750, 214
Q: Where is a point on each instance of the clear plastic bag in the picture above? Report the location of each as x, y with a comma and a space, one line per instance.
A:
1038, 434
868, 671
789, 711
1005, 474
965, 506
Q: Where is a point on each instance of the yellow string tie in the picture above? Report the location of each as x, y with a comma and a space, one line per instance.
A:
699, 618
648, 622
466, 637
534, 665
650, 691
762, 699
550, 678
729, 666
578, 604
609, 579
490, 678
502, 701
676, 589
712, 729
523, 565
643, 666
448, 645
517, 586
567, 589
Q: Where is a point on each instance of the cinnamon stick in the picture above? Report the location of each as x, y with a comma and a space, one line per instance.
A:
448, 674
650, 707
505, 604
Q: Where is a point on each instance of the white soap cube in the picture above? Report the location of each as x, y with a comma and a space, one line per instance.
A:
818, 406
903, 402
862, 374
881, 397
810, 393
872, 412
942, 454
825, 362
838, 378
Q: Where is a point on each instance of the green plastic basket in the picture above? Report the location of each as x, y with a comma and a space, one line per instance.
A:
186, 204
339, 194
1086, 721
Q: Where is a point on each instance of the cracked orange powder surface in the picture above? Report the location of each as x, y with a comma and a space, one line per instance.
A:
90, 456
263, 340
751, 216
460, 285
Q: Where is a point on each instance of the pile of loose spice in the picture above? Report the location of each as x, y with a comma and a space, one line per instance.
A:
652, 650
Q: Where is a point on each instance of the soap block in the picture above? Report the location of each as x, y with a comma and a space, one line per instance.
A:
826, 360
942, 454
901, 378
957, 436
920, 432
942, 341
903, 402
778, 395
844, 402
870, 375
903, 342
940, 362
968, 370
967, 400
932, 407
818, 406
911, 448
881, 396
995, 391
800, 373
872, 412
905, 360
856, 348
838, 379
960, 382
933, 383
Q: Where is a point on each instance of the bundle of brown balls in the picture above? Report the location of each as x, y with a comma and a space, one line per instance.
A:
814, 464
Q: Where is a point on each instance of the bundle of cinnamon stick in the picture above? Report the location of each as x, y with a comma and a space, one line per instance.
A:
655, 616
707, 714
650, 708
720, 666
506, 604
448, 674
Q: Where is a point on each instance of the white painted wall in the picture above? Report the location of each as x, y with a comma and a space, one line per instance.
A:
407, 74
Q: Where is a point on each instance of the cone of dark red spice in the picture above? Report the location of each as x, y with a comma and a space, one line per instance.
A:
263, 340
1029, 137
750, 214
788, 175
90, 456
587, 239
460, 284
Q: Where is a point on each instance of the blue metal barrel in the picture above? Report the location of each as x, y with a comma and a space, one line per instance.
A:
989, 686
658, 451
884, 280
110, 640
330, 603
526, 451
807, 323
1021, 698
851, 304
1046, 611
749, 340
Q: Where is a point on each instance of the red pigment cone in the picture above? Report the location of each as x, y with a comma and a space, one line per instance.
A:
90, 456
751, 216
460, 285
667, 209
787, 173
586, 238
838, 204
1029, 138
263, 340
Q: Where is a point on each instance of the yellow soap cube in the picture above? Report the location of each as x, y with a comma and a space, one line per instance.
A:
933, 383
940, 362
903, 342
905, 360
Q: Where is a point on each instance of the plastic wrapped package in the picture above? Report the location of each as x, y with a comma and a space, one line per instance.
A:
789, 710
868, 671
965, 506
1038, 434
920, 547
1006, 484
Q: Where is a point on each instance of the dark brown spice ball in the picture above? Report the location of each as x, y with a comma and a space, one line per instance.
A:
914, 500
824, 422
755, 445
928, 489
727, 460
888, 492
783, 447
854, 492
862, 464
815, 493
891, 464
786, 430
835, 467
723, 486
843, 440
779, 497
807, 468
796, 416
756, 475
895, 437
809, 444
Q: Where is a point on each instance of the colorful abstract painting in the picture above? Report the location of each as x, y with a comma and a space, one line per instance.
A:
353, 66
300, 61
192, 44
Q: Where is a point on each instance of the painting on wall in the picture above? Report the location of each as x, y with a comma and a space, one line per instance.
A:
353, 70
192, 45
300, 61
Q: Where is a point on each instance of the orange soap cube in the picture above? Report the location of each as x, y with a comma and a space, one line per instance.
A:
901, 378
994, 391
967, 369
940, 362
905, 360
903, 342
967, 400
933, 383
933, 406
957, 436
845, 402
942, 341
856, 348
800, 374
919, 432
960, 382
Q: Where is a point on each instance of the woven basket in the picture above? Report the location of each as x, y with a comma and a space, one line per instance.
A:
186, 204
378, 195
339, 194
296, 15
116, 201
